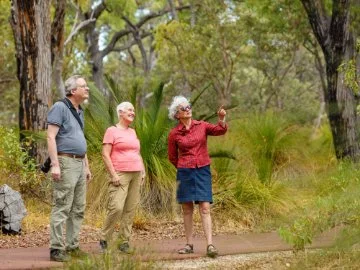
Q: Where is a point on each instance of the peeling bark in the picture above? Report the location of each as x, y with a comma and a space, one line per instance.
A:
30, 21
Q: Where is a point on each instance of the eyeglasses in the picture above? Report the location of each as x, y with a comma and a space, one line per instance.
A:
185, 108
83, 86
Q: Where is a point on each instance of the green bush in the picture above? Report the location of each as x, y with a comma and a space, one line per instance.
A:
335, 204
17, 168
268, 141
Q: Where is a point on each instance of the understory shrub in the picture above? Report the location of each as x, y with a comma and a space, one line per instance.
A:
18, 169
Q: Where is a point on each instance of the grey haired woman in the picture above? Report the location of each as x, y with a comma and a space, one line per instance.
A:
187, 151
121, 155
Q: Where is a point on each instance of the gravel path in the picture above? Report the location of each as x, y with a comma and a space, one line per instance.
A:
261, 261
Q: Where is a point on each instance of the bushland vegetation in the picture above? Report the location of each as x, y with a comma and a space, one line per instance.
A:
270, 172
290, 159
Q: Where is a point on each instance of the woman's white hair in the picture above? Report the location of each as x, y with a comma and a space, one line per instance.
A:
173, 108
123, 106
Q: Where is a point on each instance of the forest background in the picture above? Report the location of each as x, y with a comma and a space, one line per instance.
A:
286, 71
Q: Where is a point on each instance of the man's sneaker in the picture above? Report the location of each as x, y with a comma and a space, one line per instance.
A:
76, 253
125, 248
58, 255
103, 245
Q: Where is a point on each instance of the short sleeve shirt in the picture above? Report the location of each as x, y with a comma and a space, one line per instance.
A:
125, 152
70, 138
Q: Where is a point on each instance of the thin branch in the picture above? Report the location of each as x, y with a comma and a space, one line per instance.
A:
79, 27
319, 22
130, 44
94, 15
142, 21
97, 11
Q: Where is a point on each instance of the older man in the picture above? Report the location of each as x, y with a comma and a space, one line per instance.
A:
69, 169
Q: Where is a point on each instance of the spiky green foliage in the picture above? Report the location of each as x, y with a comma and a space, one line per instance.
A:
152, 126
100, 113
268, 140
237, 189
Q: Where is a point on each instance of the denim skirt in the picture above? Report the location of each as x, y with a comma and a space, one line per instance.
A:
194, 185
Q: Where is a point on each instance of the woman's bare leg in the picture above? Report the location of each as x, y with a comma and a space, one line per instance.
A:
204, 209
188, 209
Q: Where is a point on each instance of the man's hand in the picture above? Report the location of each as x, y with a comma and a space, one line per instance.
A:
88, 174
55, 172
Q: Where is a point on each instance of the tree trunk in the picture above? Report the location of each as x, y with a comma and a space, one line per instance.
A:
341, 108
96, 58
57, 46
338, 45
31, 27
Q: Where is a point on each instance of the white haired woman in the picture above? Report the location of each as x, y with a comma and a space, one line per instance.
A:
187, 151
121, 155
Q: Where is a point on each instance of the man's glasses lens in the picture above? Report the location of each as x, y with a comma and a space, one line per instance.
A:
184, 109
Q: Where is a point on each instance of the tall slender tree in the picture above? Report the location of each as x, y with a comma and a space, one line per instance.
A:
338, 43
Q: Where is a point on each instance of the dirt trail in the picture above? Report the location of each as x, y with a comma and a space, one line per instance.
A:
38, 257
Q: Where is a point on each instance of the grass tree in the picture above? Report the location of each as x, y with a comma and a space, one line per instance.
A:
151, 125
268, 140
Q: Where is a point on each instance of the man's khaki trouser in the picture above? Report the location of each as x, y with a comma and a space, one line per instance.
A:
122, 203
69, 198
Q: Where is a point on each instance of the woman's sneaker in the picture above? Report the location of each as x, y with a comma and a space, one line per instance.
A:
189, 248
211, 251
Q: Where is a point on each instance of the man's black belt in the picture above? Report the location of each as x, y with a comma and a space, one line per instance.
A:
71, 155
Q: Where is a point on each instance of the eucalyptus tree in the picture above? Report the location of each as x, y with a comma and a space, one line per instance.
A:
33, 32
207, 49
111, 26
278, 71
331, 22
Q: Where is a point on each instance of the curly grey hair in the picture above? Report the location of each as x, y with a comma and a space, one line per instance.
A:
173, 108
71, 83
123, 106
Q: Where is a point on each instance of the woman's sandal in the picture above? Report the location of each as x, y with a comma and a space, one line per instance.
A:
189, 248
211, 251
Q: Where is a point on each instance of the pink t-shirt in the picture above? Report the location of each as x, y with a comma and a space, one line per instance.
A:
125, 153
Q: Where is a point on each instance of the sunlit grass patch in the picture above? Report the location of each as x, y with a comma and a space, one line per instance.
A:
112, 260
326, 259
38, 215
334, 202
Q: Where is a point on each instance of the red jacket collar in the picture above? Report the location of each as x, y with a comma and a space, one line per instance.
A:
193, 122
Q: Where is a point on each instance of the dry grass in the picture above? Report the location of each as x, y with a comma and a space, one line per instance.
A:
38, 214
